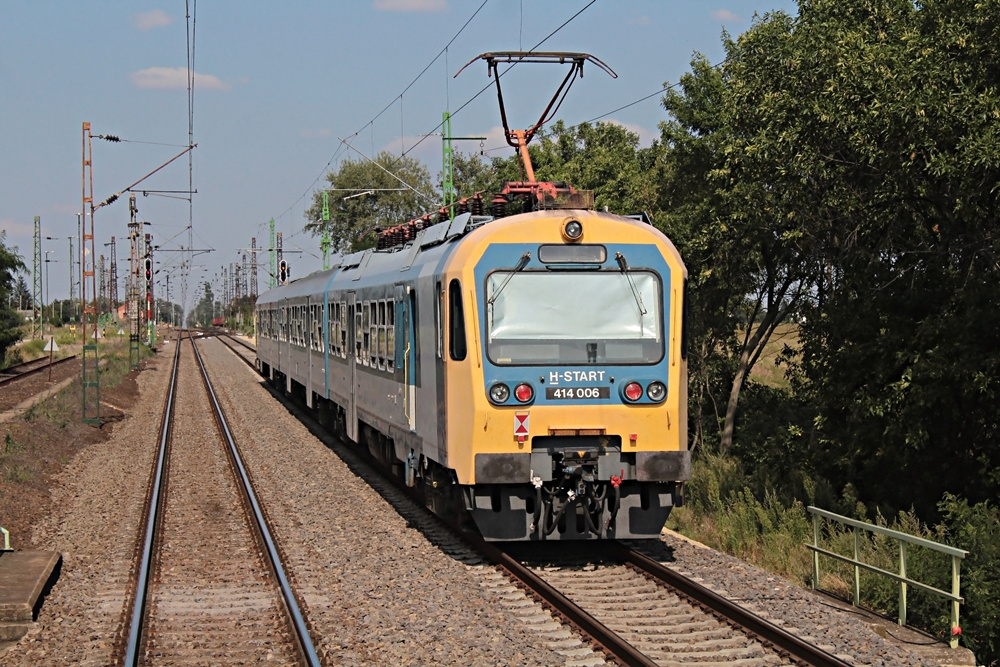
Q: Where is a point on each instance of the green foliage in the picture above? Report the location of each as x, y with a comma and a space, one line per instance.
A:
353, 219
10, 322
976, 528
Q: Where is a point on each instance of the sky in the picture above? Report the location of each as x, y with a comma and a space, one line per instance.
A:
283, 92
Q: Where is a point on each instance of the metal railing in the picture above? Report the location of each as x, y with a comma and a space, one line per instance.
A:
904, 581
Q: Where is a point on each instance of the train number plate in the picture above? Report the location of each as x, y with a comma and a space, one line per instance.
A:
577, 393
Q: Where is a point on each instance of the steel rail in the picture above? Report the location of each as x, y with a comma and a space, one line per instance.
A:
779, 639
609, 640
291, 604
32, 371
240, 341
242, 358
155, 498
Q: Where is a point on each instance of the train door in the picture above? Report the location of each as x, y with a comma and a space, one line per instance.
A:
353, 356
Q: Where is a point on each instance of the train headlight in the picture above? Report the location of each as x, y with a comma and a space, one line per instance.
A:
499, 393
656, 391
632, 391
572, 230
523, 392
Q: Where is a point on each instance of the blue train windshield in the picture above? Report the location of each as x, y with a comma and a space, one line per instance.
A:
570, 317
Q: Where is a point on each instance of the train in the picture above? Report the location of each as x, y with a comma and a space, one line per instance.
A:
522, 361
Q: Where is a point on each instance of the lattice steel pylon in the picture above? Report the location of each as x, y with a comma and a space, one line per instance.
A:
91, 389
36, 282
113, 279
132, 310
253, 268
102, 295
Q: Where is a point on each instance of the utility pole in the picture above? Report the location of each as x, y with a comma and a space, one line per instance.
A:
113, 277
274, 259
91, 394
36, 280
132, 291
277, 248
72, 282
103, 288
150, 310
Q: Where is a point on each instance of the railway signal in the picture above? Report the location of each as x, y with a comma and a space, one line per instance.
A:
282, 272
148, 264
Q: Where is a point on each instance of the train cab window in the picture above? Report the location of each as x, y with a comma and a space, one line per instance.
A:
456, 322
574, 317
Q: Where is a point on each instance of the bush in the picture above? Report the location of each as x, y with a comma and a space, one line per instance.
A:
976, 528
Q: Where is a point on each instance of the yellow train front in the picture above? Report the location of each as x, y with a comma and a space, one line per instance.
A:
529, 369
565, 378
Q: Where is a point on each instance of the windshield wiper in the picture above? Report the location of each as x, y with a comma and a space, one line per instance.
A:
623, 265
521, 263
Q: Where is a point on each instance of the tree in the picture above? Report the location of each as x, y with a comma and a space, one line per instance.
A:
10, 322
396, 189
871, 128
750, 264
21, 294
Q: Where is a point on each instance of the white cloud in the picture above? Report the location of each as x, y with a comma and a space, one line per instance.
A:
316, 134
149, 20
17, 234
726, 15
411, 5
175, 78
646, 135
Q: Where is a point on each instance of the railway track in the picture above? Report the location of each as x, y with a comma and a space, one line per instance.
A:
244, 350
627, 606
210, 587
29, 368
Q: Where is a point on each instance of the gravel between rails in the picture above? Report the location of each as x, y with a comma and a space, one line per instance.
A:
99, 498
377, 591
213, 600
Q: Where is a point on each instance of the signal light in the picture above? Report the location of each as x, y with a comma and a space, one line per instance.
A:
282, 271
633, 391
499, 393
656, 391
572, 231
149, 270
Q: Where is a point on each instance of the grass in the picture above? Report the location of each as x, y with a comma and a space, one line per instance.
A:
724, 513
766, 371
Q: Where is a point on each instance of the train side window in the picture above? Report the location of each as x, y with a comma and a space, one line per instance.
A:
343, 329
366, 319
456, 322
318, 319
381, 335
357, 334
390, 335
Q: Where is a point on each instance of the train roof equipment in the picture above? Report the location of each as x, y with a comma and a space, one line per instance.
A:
545, 194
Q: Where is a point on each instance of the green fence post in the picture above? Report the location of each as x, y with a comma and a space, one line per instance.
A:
902, 583
956, 565
815, 553
857, 570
